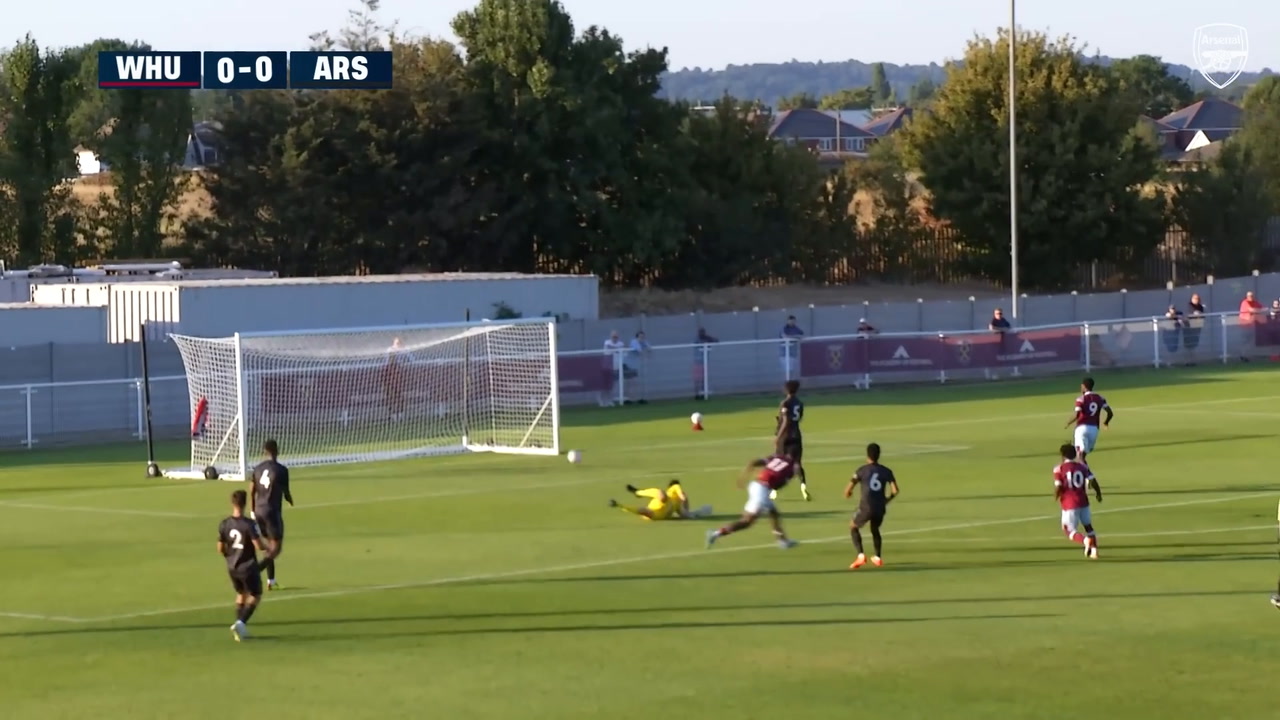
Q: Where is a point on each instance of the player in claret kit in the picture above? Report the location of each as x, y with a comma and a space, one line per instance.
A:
1072, 481
1090, 408
270, 491
772, 473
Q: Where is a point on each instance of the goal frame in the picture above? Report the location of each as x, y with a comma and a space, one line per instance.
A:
552, 405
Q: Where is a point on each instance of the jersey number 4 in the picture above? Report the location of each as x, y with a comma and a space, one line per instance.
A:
265, 480
237, 540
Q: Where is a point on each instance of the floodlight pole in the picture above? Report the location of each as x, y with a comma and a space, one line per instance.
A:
1013, 159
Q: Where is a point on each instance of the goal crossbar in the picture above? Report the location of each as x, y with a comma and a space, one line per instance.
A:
351, 395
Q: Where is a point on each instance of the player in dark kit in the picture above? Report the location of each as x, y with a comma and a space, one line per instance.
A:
787, 440
239, 543
270, 491
879, 488
772, 473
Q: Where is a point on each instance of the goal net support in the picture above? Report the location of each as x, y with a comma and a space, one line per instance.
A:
341, 396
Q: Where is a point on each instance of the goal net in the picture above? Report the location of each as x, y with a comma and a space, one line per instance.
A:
364, 395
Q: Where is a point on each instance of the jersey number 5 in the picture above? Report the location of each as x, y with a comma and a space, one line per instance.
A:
874, 483
797, 412
265, 480
237, 540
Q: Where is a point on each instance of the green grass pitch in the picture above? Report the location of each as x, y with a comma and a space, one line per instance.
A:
504, 587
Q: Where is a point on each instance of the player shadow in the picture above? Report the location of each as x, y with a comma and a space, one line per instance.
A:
268, 636
1050, 546
1182, 442
724, 517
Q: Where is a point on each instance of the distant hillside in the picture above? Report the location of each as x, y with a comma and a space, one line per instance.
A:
770, 82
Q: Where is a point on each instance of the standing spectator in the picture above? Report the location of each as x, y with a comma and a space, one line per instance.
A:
998, 322
865, 328
1172, 332
634, 361
614, 350
790, 349
1000, 326
1250, 309
700, 352
393, 379
1275, 310
1194, 324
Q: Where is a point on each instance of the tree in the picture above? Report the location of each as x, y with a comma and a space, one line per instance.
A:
36, 224
921, 92
1148, 80
1084, 173
1225, 208
848, 99
890, 226
1261, 128
799, 101
880, 88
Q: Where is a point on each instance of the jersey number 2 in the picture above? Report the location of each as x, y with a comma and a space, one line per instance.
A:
237, 540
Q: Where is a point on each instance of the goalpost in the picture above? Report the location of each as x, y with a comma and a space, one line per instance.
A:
371, 394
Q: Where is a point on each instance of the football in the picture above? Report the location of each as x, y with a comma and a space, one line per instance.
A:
696, 418
574, 457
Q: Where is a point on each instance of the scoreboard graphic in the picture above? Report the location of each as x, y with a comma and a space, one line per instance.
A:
236, 70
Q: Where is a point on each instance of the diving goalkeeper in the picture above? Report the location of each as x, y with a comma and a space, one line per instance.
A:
669, 504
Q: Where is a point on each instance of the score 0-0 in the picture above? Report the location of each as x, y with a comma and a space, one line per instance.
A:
246, 70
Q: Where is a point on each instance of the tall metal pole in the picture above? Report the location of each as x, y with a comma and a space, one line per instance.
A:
1013, 159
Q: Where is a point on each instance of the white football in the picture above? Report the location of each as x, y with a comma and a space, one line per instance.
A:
574, 456
696, 418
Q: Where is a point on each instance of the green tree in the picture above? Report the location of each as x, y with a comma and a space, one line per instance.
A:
890, 225
848, 99
921, 92
798, 101
1155, 91
1084, 173
1225, 208
880, 88
1261, 128
36, 219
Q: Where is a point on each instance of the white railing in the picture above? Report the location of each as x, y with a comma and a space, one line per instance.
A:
33, 414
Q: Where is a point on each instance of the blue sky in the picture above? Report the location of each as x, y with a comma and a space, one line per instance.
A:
705, 33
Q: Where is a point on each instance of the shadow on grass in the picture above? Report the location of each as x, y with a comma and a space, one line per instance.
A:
645, 626
1106, 493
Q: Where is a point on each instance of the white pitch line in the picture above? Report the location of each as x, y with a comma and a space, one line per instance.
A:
556, 569
105, 511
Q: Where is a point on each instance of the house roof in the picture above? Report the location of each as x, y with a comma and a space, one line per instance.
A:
804, 123
207, 132
1204, 153
889, 122
1208, 114
1158, 126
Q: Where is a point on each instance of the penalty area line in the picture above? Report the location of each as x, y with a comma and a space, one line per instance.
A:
616, 562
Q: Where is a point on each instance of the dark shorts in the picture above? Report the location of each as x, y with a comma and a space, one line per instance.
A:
868, 516
271, 526
247, 583
793, 447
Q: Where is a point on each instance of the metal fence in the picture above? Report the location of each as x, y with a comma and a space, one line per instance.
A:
35, 414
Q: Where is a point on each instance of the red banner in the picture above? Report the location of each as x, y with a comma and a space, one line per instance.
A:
859, 356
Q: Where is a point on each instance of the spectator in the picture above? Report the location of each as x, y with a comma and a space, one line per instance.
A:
790, 349
998, 322
634, 361
1275, 310
1172, 332
1194, 324
614, 351
865, 328
1250, 309
700, 352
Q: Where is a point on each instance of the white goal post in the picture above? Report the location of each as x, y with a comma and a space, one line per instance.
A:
355, 395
